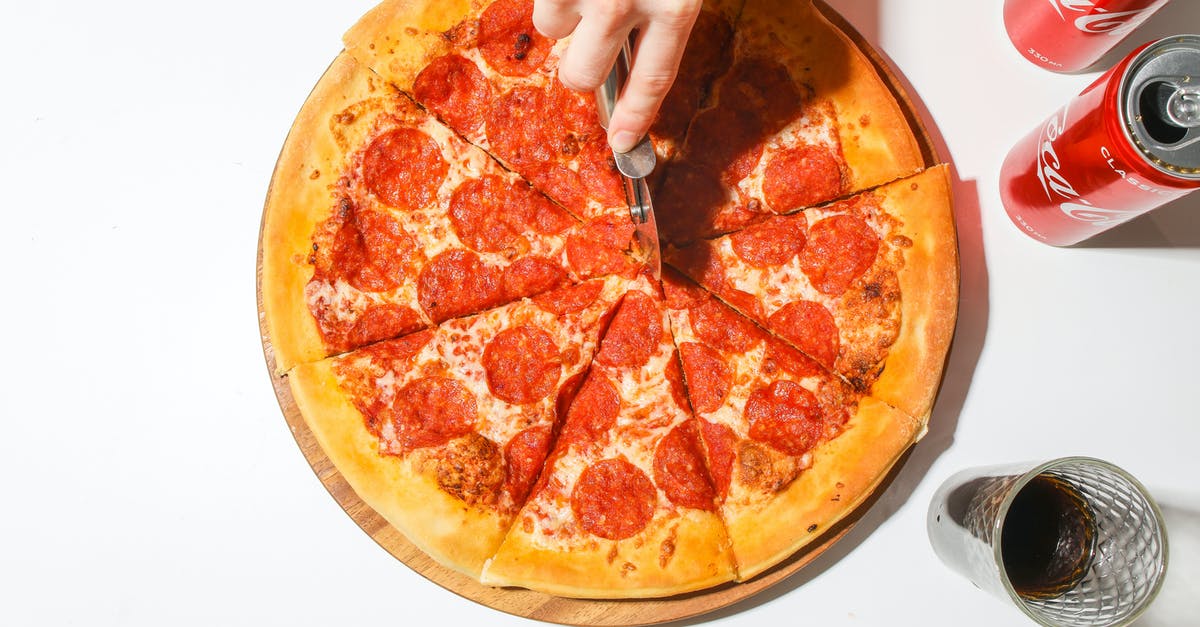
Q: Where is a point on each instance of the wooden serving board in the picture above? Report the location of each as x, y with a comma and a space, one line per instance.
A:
544, 607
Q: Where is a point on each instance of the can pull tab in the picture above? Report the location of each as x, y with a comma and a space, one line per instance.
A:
1169, 111
1183, 107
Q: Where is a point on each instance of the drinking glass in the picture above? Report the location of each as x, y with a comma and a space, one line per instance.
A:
1094, 538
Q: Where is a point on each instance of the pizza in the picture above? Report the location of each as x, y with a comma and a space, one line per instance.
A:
450, 285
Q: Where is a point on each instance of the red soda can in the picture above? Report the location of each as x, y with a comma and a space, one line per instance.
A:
1129, 143
1070, 35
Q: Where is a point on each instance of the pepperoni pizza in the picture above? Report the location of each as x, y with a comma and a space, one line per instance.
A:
450, 286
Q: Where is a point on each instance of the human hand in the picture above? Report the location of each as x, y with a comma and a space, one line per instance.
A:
599, 28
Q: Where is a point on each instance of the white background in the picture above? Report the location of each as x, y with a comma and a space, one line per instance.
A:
148, 475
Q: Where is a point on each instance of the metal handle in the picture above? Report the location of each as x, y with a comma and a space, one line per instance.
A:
639, 162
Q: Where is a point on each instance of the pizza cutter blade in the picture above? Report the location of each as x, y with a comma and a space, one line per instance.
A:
634, 165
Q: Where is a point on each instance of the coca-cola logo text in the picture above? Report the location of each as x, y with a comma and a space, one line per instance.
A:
1054, 183
1058, 189
1097, 20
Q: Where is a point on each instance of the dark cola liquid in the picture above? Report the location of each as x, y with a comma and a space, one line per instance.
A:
1047, 538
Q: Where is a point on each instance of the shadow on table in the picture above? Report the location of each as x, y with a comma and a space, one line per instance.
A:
968, 343
1178, 604
1176, 18
1174, 225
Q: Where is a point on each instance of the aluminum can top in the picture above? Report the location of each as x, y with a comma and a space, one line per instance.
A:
1159, 97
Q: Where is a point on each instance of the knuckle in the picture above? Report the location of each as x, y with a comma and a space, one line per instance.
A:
680, 12
656, 84
613, 10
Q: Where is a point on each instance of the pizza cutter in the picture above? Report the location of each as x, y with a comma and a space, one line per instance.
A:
634, 165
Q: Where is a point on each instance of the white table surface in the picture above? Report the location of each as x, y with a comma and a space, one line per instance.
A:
148, 476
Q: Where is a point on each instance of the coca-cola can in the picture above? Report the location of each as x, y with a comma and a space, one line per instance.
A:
1128, 143
1070, 35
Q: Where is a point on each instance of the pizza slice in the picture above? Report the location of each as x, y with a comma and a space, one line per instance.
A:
800, 118
625, 506
443, 431
866, 286
791, 448
484, 69
381, 221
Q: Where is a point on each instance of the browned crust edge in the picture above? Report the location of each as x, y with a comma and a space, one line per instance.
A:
296, 202
701, 560
877, 142
844, 473
398, 59
459, 537
929, 282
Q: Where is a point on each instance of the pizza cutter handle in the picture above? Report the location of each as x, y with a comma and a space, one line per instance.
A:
607, 92
639, 162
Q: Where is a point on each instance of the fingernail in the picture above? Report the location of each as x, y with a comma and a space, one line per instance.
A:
623, 141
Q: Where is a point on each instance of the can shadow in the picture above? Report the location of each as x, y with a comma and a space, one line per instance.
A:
1176, 18
1174, 225
969, 336
1178, 604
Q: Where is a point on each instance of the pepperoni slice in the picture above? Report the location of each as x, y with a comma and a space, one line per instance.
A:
517, 130
674, 377
703, 59
598, 173
397, 355
455, 90
708, 377
679, 468
523, 364
785, 416
810, 327
598, 248
613, 499
744, 302
575, 113
634, 334
764, 89
783, 359
432, 411
693, 208
801, 177
381, 322
523, 457
508, 41
772, 242
680, 293
702, 263
727, 139
719, 440
840, 249
593, 412
478, 216
456, 283
370, 250
723, 328
404, 168
570, 299
532, 275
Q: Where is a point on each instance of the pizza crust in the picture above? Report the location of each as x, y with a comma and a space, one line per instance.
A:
929, 285
844, 472
300, 198
876, 140
637, 567
457, 536
399, 58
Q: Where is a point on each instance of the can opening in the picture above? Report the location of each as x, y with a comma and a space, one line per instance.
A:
1155, 111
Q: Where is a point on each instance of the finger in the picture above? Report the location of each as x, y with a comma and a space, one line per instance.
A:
655, 64
555, 19
593, 50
